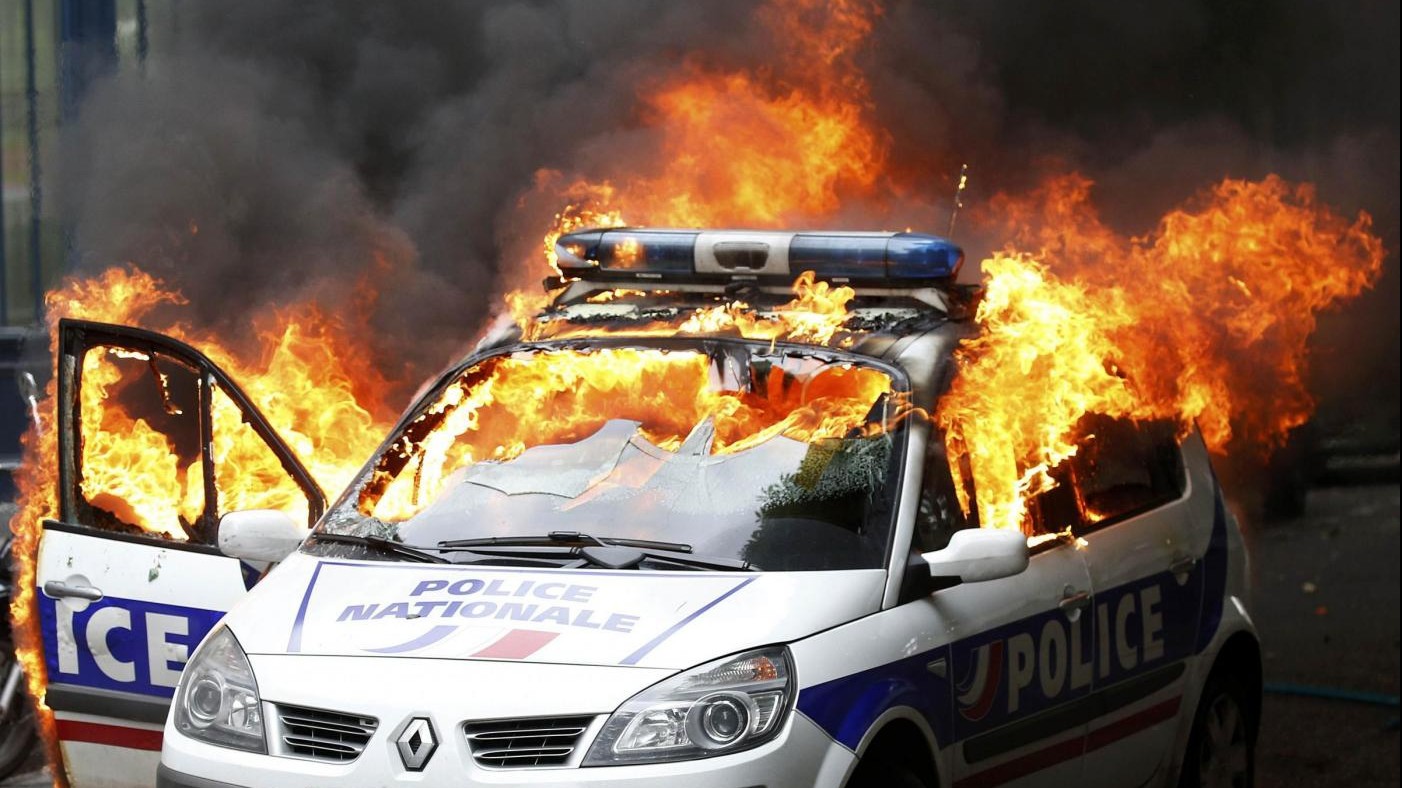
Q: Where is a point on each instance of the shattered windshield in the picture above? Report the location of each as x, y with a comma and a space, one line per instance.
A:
782, 459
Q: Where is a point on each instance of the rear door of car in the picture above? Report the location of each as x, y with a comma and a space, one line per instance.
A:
151, 436
1138, 517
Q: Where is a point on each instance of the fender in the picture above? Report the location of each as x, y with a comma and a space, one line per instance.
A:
1224, 614
1235, 621
849, 707
921, 724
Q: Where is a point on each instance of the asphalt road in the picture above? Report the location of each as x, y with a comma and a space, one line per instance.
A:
1326, 605
1326, 602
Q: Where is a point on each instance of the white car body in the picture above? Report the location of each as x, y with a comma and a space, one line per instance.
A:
1086, 668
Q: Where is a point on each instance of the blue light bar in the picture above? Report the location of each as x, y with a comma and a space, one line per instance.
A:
627, 254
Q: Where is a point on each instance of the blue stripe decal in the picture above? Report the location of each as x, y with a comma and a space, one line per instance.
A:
632, 659
251, 575
847, 707
426, 639
123, 645
1185, 614
294, 641
1045, 662
1214, 565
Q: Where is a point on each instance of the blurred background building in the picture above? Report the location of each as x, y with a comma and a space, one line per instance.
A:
50, 50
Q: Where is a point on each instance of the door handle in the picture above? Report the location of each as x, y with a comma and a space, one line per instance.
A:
1071, 599
938, 667
58, 589
1183, 566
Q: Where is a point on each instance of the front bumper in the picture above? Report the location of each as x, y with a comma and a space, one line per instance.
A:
169, 778
803, 755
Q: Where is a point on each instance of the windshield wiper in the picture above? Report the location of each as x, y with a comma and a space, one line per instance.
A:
383, 545
574, 544
715, 563
564, 537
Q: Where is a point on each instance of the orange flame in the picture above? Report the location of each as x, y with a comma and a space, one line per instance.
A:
757, 148
1227, 288
775, 154
815, 315
582, 210
1206, 321
118, 295
752, 148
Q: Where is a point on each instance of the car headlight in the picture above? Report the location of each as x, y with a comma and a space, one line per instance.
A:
217, 701
721, 707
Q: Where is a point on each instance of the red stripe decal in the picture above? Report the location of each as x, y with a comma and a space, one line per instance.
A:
1133, 724
517, 644
1019, 767
111, 735
1065, 751
992, 681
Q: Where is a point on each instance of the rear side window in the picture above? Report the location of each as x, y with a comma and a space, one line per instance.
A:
1125, 469
1121, 468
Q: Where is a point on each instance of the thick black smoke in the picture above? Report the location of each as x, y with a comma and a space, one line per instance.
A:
270, 150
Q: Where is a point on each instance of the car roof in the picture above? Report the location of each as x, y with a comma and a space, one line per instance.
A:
915, 331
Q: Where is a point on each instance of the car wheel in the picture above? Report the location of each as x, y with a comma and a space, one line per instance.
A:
1222, 746
884, 774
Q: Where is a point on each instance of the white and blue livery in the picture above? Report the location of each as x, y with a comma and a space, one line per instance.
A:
611, 612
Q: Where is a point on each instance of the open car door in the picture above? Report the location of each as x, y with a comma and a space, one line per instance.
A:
155, 445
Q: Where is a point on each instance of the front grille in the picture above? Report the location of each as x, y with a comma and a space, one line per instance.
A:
517, 744
322, 735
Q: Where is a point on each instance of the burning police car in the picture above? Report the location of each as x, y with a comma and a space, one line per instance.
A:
669, 532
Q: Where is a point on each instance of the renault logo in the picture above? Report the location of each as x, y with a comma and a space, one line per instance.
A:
416, 744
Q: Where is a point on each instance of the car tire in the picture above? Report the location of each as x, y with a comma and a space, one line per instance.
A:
1221, 749
885, 774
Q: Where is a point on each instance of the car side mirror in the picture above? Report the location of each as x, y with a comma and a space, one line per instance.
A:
976, 554
259, 535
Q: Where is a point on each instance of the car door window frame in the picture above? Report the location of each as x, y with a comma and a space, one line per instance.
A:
937, 479
78, 337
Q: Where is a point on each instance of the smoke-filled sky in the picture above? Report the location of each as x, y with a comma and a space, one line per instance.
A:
272, 150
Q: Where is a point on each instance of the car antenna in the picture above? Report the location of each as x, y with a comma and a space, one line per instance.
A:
958, 198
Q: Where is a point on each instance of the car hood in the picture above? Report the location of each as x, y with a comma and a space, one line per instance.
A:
335, 607
469, 690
